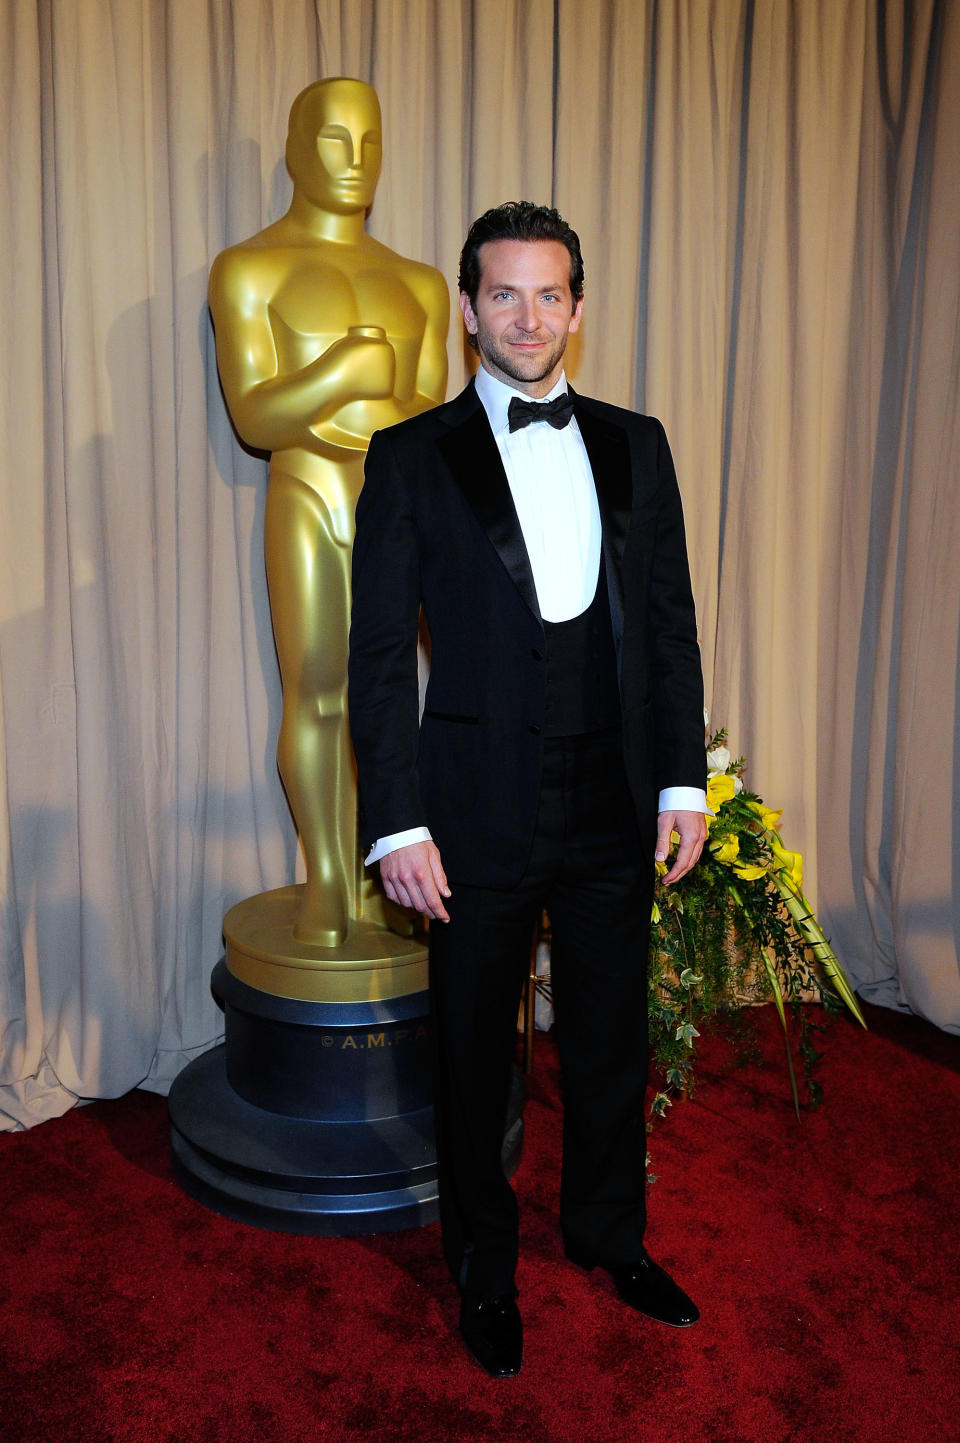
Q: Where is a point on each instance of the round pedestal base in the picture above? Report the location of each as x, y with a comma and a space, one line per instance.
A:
295, 1174
315, 1117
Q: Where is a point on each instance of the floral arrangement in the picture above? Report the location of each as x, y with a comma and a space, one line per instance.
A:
738, 929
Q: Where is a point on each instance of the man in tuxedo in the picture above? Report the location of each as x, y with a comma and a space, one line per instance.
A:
542, 534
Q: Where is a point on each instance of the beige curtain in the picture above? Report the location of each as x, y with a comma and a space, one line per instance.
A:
766, 197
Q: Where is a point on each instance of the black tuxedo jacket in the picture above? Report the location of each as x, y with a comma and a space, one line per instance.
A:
437, 527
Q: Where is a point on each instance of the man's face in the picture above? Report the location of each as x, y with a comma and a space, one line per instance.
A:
524, 312
335, 155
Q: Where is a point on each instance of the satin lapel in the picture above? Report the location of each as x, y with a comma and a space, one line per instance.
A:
471, 453
609, 451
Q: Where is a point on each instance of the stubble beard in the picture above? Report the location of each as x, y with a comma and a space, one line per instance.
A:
527, 370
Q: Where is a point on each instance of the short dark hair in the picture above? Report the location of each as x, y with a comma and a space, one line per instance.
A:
524, 221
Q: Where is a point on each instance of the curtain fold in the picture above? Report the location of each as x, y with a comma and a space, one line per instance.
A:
895, 635
765, 195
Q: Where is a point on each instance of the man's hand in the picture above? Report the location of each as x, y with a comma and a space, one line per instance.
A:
414, 877
691, 827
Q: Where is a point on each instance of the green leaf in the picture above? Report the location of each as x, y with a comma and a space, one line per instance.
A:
689, 978
809, 928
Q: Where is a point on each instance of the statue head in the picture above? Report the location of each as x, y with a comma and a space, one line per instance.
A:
334, 144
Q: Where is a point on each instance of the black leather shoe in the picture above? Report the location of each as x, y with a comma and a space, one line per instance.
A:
493, 1333
647, 1288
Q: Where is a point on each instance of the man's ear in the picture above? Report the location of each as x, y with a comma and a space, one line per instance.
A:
468, 313
575, 318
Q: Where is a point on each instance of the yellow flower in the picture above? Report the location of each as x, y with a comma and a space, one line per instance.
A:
789, 865
655, 915
726, 847
768, 817
749, 872
720, 789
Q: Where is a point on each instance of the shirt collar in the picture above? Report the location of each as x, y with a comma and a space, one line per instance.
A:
495, 397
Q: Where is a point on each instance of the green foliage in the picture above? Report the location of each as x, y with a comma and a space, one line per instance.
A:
736, 930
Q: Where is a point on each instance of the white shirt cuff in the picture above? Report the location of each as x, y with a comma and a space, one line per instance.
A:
684, 799
672, 799
395, 840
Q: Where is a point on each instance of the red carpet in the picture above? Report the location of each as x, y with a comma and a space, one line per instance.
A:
823, 1254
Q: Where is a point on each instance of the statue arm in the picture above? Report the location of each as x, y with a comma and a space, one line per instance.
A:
273, 410
432, 366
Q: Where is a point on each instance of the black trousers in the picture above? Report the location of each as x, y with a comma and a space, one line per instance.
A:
592, 870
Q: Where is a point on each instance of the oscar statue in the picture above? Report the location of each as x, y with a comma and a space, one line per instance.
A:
323, 336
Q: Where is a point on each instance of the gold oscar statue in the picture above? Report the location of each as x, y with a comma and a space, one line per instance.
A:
323, 337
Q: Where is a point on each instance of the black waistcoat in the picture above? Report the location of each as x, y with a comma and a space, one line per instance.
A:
582, 690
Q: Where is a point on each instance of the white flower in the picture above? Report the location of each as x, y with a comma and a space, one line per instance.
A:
719, 759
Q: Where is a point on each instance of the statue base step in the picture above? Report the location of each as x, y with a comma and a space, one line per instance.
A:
315, 1117
295, 1174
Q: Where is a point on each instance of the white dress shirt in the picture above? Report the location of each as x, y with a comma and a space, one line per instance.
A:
551, 483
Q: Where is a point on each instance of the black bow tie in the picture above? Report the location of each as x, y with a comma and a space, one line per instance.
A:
557, 412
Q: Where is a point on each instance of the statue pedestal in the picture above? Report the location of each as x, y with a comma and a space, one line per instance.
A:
373, 963
315, 1115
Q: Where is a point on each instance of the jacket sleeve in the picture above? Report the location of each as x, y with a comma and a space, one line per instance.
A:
383, 691
676, 675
